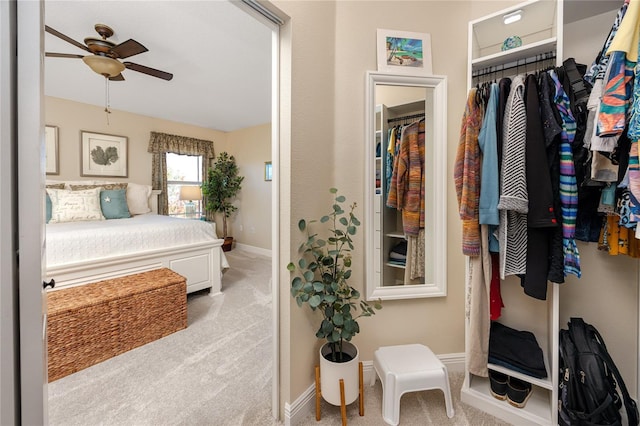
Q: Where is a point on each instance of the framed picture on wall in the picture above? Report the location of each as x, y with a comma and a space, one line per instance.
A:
103, 155
403, 52
52, 163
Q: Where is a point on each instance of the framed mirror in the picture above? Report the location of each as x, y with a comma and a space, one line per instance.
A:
405, 186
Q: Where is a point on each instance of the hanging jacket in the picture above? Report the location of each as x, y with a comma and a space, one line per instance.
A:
467, 175
514, 202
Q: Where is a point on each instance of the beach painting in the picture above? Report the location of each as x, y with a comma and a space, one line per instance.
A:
404, 52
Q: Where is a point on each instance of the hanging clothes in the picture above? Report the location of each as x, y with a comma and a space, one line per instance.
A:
514, 202
467, 175
489, 186
568, 186
552, 129
406, 192
541, 218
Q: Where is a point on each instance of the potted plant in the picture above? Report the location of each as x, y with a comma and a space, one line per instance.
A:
322, 283
221, 186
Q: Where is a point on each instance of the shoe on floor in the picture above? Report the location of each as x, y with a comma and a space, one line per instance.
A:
518, 392
498, 382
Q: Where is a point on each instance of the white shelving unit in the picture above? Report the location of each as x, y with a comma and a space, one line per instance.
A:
541, 32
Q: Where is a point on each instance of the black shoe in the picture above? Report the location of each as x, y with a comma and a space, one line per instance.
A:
498, 383
518, 392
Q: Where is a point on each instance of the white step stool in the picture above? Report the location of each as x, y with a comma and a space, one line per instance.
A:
408, 368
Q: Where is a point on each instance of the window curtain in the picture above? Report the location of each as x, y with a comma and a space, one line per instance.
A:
159, 145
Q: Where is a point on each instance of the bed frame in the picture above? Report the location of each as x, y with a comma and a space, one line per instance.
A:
199, 263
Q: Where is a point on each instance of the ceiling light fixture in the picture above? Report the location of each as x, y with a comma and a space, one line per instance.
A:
107, 67
512, 17
104, 65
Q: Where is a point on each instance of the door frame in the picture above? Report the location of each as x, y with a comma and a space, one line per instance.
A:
30, 221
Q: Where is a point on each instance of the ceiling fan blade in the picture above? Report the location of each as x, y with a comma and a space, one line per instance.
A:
118, 77
128, 48
65, 38
150, 71
62, 55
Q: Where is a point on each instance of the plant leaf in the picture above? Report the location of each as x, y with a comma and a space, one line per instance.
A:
315, 301
351, 229
330, 298
340, 198
344, 221
337, 319
296, 284
291, 267
324, 219
308, 275
333, 190
302, 263
318, 286
302, 224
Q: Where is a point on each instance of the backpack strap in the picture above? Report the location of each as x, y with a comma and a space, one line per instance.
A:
629, 403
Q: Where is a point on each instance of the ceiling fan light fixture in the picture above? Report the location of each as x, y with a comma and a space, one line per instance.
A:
104, 65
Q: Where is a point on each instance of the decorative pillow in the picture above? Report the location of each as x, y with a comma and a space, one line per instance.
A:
48, 199
103, 186
70, 206
138, 198
113, 203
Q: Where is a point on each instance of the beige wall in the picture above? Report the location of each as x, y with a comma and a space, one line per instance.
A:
72, 117
251, 224
326, 147
251, 148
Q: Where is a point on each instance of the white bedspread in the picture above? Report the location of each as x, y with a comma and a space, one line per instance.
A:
79, 241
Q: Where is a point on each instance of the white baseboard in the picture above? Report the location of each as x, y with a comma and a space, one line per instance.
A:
252, 249
305, 403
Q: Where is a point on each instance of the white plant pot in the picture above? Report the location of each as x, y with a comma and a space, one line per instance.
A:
332, 372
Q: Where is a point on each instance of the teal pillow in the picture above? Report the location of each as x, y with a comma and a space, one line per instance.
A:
113, 203
49, 207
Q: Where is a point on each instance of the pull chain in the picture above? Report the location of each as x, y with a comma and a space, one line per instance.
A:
107, 107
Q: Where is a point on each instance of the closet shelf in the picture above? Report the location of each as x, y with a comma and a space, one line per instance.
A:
395, 265
395, 234
516, 54
543, 383
535, 412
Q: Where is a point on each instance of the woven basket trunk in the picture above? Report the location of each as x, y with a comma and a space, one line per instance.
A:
94, 322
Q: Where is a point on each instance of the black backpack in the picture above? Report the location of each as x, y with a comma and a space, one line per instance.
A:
589, 380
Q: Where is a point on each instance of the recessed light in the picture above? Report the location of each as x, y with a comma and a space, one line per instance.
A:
512, 17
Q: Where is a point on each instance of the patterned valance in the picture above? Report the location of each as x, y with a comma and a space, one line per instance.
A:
164, 142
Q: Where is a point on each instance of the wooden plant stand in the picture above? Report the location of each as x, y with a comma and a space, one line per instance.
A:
343, 407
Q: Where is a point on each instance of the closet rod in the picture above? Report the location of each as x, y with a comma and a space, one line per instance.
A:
405, 117
515, 64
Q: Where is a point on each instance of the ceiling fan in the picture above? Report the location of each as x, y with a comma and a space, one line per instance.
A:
104, 55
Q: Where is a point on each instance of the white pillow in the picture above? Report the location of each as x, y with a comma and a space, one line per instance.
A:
71, 206
138, 198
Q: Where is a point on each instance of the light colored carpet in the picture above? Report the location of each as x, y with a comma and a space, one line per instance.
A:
215, 372
218, 372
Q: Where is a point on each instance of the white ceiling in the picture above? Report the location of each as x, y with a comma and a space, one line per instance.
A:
219, 55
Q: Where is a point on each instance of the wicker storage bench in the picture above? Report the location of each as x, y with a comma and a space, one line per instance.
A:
94, 322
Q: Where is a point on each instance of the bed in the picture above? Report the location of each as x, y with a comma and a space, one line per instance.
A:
84, 251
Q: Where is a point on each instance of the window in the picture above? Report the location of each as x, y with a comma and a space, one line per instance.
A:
182, 171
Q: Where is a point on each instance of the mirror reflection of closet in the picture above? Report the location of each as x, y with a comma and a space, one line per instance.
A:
405, 186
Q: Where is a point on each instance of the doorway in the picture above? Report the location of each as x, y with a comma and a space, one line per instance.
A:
33, 399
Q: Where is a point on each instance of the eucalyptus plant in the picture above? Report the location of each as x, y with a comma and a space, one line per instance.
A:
323, 273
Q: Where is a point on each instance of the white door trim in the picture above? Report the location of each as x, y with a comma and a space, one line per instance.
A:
30, 132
